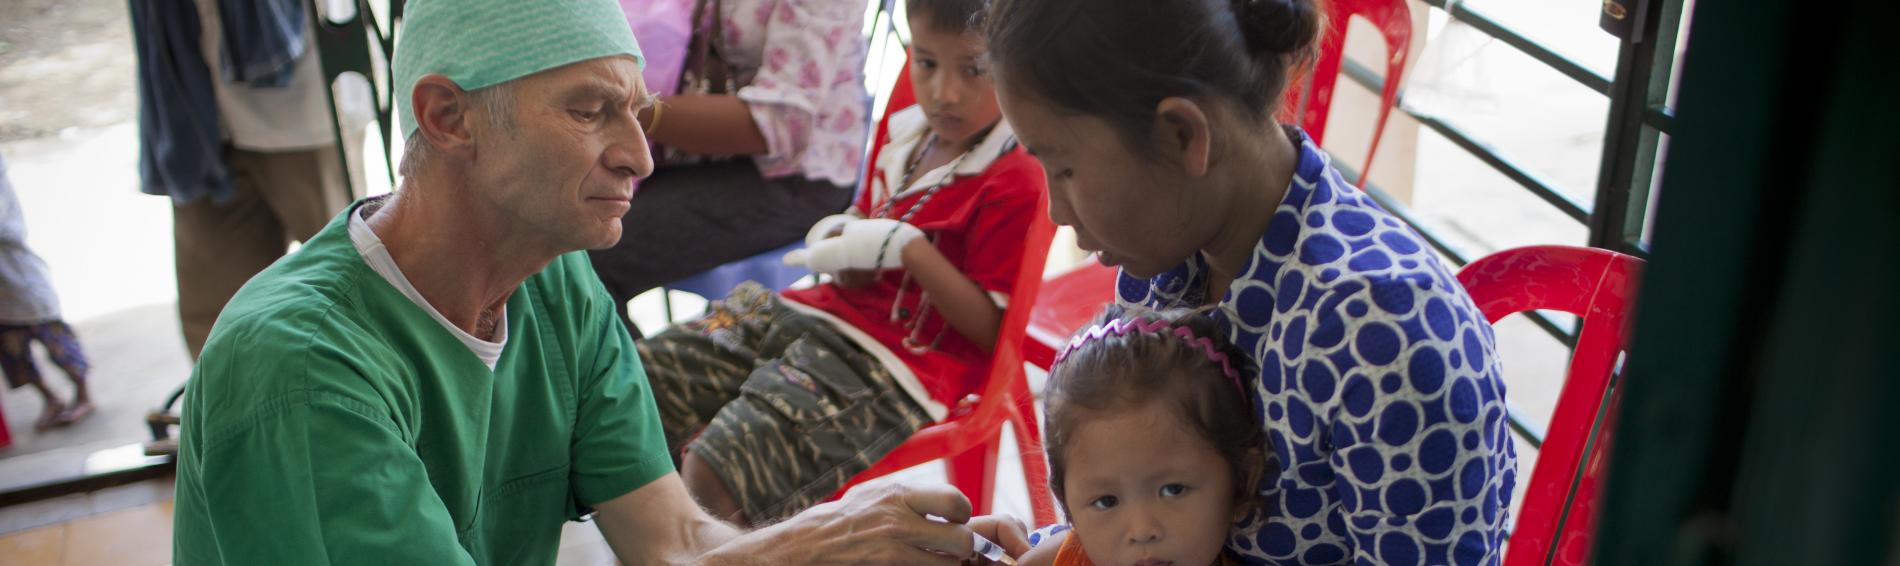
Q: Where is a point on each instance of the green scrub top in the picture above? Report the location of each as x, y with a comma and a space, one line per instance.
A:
331, 420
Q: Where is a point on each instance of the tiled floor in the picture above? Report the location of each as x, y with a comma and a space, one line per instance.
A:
86, 529
139, 536
131, 525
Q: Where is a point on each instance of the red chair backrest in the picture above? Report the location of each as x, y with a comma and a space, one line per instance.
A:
1068, 302
1309, 98
1559, 513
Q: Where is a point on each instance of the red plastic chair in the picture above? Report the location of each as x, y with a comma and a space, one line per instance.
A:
1072, 299
6, 438
1310, 98
1068, 301
1560, 501
970, 436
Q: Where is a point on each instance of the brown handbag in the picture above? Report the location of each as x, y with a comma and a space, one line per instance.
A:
705, 72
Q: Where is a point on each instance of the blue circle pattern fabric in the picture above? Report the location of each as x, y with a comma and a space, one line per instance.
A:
1379, 386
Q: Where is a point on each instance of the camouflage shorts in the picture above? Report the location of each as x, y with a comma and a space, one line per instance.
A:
783, 407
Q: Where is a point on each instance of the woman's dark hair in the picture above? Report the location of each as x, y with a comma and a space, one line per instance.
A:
948, 16
1117, 59
1113, 373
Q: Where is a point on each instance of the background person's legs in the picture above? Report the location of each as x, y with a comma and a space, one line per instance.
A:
280, 196
304, 189
686, 220
16, 360
62, 347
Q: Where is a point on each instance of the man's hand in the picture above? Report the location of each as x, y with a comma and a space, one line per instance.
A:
660, 524
882, 525
1003, 530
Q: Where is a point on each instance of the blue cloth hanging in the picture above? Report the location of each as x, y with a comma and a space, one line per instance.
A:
181, 152
263, 39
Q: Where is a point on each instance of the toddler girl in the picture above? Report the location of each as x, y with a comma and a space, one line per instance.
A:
1152, 445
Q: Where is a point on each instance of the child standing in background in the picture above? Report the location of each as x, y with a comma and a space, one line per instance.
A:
29, 312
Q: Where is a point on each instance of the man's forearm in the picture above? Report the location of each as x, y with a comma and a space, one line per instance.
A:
759, 547
659, 524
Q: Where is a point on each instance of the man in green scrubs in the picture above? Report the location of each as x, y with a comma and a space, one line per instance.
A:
438, 376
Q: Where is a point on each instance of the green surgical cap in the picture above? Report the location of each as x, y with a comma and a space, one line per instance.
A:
481, 43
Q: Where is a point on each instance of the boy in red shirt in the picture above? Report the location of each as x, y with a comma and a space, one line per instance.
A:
775, 401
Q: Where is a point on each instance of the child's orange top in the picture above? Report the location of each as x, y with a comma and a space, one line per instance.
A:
1071, 554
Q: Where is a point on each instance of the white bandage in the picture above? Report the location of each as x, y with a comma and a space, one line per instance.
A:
826, 226
864, 244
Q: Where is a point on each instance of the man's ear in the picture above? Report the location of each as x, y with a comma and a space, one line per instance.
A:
442, 114
1184, 134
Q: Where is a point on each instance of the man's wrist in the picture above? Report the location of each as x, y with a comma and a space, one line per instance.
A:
753, 548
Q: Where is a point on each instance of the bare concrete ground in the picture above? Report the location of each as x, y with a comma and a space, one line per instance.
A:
64, 64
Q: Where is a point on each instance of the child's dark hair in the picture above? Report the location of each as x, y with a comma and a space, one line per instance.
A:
949, 16
1117, 59
1115, 372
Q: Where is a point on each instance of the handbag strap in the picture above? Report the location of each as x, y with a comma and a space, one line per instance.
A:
704, 47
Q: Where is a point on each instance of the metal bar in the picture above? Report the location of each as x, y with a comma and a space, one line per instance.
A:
1567, 337
1525, 427
1629, 146
1661, 118
1461, 12
1483, 151
1489, 156
88, 482
381, 88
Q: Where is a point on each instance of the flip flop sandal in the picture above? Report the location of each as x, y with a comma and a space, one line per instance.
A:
74, 413
49, 418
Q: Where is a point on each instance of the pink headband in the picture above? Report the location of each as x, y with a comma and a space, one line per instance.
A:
1124, 327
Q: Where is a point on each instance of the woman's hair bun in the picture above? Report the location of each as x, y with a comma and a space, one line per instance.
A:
1278, 27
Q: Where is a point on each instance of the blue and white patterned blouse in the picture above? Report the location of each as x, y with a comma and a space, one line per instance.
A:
1379, 389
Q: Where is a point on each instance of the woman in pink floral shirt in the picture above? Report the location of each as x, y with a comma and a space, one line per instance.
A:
766, 137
